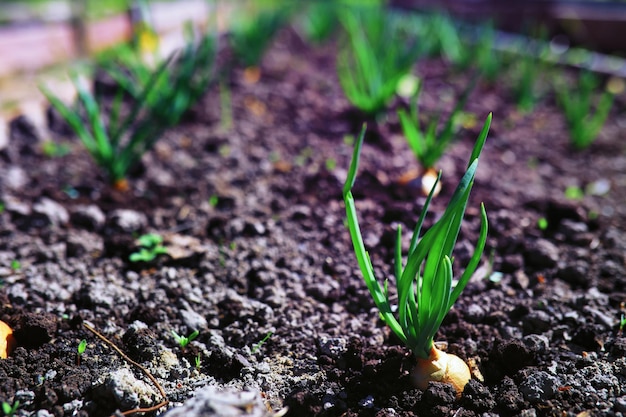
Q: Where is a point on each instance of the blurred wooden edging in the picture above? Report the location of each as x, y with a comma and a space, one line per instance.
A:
599, 26
31, 48
27, 50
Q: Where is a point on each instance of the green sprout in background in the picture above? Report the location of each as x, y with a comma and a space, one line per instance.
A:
10, 410
183, 341
377, 51
53, 149
253, 30
424, 286
16, 265
487, 60
318, 21
577, 104
256, 347
151, 246
80, 350
574, 192
428, 145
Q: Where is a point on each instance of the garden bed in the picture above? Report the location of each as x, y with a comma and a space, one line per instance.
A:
261, 264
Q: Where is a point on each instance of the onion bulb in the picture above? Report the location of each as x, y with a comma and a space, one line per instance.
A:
441, 367
7, 341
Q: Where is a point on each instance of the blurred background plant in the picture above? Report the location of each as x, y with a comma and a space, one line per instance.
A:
253, 28
375, 53
584, 109
117, 133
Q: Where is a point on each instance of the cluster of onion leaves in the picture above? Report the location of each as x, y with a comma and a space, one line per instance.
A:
378, 49
427, 143
117, 135
577, 103
424, 285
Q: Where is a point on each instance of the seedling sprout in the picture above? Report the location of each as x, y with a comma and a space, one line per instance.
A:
150, 247
10, 410
183, 341
82, 346
256, 347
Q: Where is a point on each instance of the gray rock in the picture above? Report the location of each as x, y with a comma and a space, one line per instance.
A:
212, 402
536, 343
25, 397
193, 320
89, 217
575, 274
127, 221
332, 346
620, 404
49, 211
128, 391
539, 386
474, 313
531, 412
16, 207
81, 243
537, 321
542, 254
15, 178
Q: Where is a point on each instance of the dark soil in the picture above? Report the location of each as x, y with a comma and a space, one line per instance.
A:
273, 257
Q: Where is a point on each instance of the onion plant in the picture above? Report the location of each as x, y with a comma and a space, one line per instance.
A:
116, 137
425, 286
318, 21
427, 144
376, 53
181, 84
583, 123
481, 53
252, 32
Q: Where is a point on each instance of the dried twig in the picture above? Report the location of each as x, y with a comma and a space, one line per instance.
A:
143, 369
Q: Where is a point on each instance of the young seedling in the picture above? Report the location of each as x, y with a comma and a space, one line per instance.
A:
151, 246
376, 53
256, 347
582, 123
574, 192
82, 346
427, 144
424, 286
10, 410
183, 341
198, 361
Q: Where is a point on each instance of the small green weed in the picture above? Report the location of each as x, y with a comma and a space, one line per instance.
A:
183, 341
151, 246
256, 347
10, 410
80, 350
